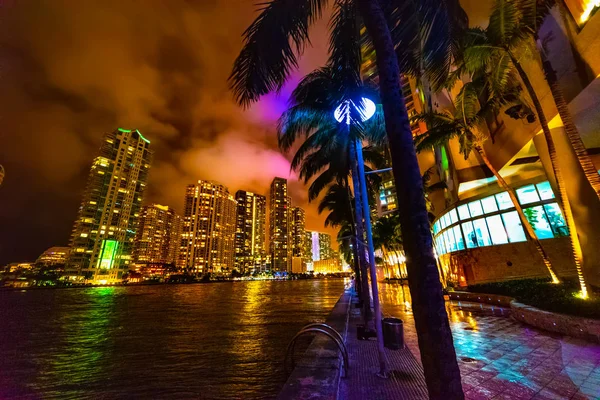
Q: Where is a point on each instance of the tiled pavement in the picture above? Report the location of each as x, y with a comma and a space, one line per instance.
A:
501, 359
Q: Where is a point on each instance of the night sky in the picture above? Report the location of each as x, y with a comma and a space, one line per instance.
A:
71, 71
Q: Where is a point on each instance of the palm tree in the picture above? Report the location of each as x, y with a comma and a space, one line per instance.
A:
498, 50
466, 124
388, 238
269, 54
533, 13
339, 201
325, 156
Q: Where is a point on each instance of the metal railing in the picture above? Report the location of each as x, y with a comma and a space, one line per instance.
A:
325, 330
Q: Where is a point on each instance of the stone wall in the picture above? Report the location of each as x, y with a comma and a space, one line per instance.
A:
507, 262
582, 328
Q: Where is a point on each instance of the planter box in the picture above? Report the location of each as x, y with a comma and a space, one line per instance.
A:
578, 327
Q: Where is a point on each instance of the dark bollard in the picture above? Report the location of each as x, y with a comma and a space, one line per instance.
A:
393, 333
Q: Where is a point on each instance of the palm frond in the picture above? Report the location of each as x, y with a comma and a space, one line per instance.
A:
271, 46
344, 43
504, 21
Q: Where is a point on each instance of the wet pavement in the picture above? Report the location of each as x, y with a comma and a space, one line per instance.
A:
501, 358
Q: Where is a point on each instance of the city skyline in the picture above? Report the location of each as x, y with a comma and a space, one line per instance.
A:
175, 93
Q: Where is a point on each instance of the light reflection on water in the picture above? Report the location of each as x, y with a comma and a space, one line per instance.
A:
222, 340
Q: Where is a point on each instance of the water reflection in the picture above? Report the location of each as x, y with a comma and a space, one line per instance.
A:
222, 340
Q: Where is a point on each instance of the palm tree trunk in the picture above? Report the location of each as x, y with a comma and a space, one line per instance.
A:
386, 261
360, 243
568, 213
431, 320
524, 221
573, 135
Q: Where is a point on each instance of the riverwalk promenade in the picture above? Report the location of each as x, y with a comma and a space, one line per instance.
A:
499, 358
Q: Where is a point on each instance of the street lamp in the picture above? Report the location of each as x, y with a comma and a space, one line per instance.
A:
365, 110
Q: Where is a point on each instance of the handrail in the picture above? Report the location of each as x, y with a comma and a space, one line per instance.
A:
328, 327
325, 330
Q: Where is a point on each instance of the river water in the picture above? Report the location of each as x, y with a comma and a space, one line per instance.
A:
202, 341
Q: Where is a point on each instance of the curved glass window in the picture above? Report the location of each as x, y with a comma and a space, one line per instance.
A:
527, 194
489, 204
493, 221
504, 201
475, 208
463, 212
496, 228
514, 228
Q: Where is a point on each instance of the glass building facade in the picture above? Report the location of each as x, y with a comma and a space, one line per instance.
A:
493, 220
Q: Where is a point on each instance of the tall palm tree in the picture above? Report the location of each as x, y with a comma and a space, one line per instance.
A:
533, 13
271, 47
500, 47
466, 122
325, 156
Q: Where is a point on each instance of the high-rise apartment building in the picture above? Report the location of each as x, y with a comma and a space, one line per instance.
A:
158, 236
279, 223
208, 235
250, 233
320, 246
298, 231
102, 238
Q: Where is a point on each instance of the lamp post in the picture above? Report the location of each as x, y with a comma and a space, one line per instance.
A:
365, 110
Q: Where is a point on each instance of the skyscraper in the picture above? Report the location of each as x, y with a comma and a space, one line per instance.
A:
279, 221
321, 246
106, 224
158, 236
250, 233
298, 232
207, 240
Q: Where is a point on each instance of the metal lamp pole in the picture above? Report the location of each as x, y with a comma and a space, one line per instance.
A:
342, 114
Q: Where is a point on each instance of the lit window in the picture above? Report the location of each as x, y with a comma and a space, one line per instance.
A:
470, 237
489, 204
481, 232
475, 208
453, 216
514, 228
545, 190
460, 242
443, 222
463, 212
537, 219
557, 222
497, 232
450, 239
527, 194
436, 227
504, 201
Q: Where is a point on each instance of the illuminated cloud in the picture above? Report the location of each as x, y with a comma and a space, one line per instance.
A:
70, 71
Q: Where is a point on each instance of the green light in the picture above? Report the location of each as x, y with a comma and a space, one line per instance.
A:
142, 136
108, 254
445, 164
138, 132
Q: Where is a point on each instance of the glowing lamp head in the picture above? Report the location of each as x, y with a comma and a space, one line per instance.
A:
365, 109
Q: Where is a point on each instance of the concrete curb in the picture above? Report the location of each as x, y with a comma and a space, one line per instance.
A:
317, 373
577, 327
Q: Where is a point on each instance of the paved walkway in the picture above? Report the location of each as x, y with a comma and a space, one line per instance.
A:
500, 358
406, 379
